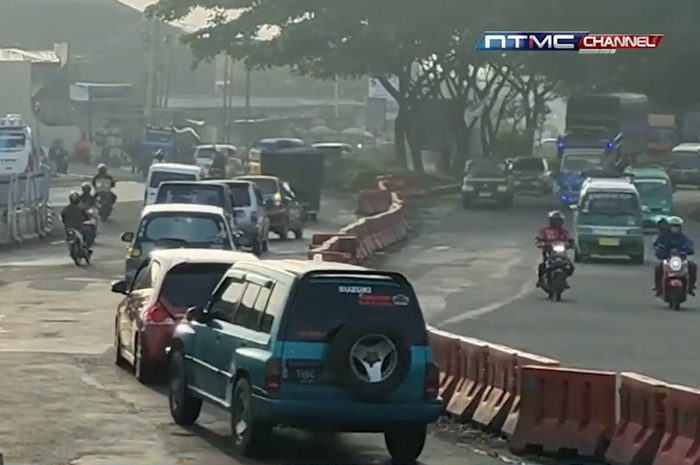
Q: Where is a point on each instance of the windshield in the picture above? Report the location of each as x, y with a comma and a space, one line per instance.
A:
279, 144
12, 142
528, 164
686, 160
191, 284
611, 204
576, 163
161, 137
666, 136
354, 298
488, 168
653, 188
267, 186
241, 194
199, 194
206, 153
196, 229
158, 177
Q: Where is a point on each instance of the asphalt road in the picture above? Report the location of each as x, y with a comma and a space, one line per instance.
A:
64, 401
474, 272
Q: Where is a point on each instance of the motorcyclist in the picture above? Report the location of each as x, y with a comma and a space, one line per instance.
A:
87, 200
670, 239
219, 163
102, 173
159, 156
74, 215
546, 236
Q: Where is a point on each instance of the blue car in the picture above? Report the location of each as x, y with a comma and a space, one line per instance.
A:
318, 346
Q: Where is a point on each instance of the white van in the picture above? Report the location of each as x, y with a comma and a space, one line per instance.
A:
204, 154
161, 172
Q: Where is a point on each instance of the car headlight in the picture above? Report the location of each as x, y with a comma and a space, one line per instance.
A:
502, 188
467, 188
645, 209
585, 230
675, 263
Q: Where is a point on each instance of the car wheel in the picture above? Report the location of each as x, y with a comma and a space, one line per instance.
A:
299, 231
466, 203
142, 370
257, 248
283, 233
184, 407
248, 434
265, 245
578, 257
405, 443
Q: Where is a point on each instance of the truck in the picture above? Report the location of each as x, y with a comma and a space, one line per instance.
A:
604, 133
663, 136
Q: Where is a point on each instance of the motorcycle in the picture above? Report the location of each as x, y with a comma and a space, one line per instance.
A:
77, 249
90, 229
216, 173
675, 279
104, 198
557, 265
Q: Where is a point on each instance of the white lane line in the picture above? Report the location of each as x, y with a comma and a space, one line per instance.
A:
2, 330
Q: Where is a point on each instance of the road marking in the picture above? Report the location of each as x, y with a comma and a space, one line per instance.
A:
472, 314
2, 330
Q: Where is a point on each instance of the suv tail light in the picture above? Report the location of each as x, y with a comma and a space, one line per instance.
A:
254, 217
273, 374
157, 316
432, 381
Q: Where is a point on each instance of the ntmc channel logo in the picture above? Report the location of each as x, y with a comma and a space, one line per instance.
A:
529, 41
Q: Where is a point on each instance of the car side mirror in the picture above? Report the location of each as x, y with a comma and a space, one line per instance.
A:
128, 237
119, 287
573, 207
199, 314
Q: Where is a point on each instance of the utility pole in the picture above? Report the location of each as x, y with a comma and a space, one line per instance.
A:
247, 92
151, 79
336, 104
224, 100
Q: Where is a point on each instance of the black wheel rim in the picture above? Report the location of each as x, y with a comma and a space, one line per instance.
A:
240, 418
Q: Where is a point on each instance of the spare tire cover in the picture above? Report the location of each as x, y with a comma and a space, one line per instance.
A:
370, 359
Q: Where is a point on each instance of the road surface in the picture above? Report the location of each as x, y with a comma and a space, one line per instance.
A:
64, 401
474, 271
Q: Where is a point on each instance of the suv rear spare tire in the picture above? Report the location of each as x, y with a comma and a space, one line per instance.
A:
369, 359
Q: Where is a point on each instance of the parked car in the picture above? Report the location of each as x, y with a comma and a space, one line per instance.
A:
531, 175
176, 225
250, 215
310, 345
166, 284
283, 208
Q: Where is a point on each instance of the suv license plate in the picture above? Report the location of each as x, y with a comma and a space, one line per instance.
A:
484, 194
305, 375
609, 242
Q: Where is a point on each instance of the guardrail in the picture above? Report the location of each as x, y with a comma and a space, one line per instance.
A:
25, 208
541, 407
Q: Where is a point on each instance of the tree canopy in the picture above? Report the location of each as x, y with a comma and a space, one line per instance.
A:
430, 46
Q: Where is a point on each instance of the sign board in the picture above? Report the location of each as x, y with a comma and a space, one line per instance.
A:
376, 90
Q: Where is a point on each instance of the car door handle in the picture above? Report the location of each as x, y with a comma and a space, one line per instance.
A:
243, 344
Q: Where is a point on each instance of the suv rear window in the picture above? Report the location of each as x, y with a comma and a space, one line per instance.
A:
241, 194
200, 194
158, 177
323, 303
528, 164
191, 284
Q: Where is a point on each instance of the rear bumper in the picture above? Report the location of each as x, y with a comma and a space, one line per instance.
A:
343, 415
628, 246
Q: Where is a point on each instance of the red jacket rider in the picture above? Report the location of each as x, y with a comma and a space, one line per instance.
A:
553, 232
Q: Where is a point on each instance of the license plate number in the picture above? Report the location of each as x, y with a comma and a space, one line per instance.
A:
676, 283
305, 375
609, 242
484, 194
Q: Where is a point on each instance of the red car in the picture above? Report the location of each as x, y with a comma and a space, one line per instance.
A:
166, 284
283, 209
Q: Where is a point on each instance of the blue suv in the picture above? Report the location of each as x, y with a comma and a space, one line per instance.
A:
310, 345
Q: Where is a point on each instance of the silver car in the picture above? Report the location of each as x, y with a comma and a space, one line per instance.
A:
250, 215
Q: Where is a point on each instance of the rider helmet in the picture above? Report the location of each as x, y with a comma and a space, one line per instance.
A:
159, 155
74, 198
86, 188
556, 219
101, 168
675, 224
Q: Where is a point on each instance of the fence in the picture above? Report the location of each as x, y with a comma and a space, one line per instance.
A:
25, 209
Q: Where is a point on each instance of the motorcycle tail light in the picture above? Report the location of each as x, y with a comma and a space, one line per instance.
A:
157, 316
273, 374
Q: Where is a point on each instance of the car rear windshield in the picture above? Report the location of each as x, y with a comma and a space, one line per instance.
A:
205, 153
195, 229
486, 168
685, 160
324, 303
191, 284
267, 186
158, 177
528, 164
241, 194
199, 194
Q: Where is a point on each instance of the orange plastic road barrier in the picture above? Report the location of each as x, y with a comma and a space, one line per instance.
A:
473, 357
500, 381
331, 256
641, 424
522, 359
446, 355
565, 411
373, 201
362, 230
681, 442
317, 240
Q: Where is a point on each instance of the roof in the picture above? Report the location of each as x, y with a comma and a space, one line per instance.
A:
28, 56
693, 146
253, 177
182, 208
300, 267
612, 184
647, 171
215, 146
203, 256
175, 167
330, 145
272, 140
